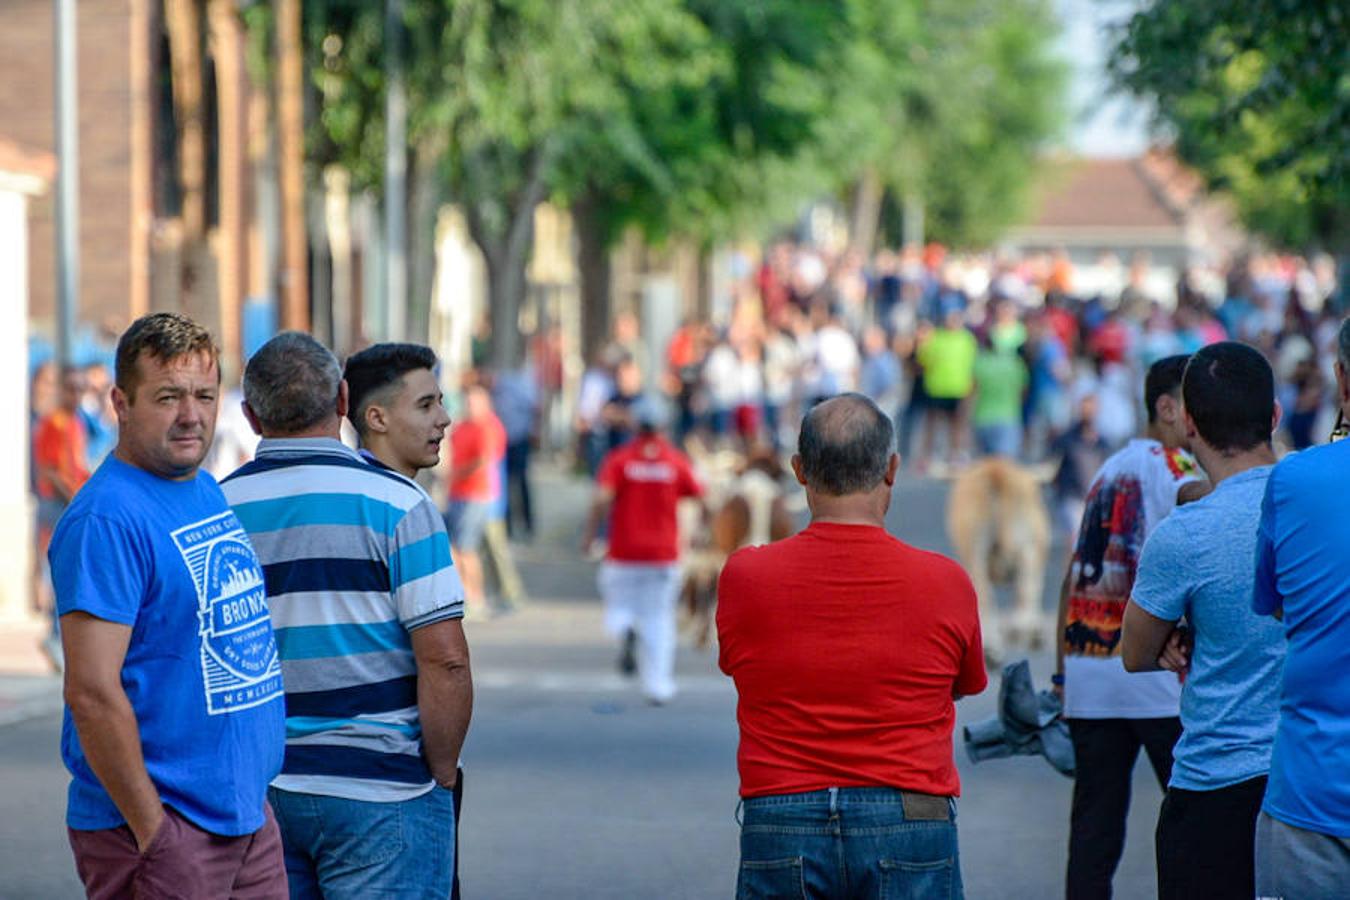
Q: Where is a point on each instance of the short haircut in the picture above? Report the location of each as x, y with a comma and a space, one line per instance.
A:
371, 374
292, 383
1229, 391
1163, 378
163, 336
845, 445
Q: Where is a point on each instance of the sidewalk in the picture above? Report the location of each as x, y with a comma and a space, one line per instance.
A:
28, 686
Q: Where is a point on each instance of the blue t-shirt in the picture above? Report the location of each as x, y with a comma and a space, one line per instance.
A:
169, 559
1303, 566
1198, 564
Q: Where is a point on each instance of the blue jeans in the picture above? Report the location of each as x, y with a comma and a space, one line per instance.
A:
339, 849
849, 843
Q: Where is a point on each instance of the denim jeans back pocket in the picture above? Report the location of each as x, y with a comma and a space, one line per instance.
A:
359, 833
771, 879
901, 880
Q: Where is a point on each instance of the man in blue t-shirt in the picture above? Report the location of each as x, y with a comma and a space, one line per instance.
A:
1303, 577
1197, 565
174, 721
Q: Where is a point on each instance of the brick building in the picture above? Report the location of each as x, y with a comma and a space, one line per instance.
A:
113, 243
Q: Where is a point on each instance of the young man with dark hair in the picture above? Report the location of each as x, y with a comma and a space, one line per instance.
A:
174, 721
848, 649
1113, 714
396, 406
1198, 565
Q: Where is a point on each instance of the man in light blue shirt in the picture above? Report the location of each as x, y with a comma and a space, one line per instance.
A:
1303, 577
1197, 565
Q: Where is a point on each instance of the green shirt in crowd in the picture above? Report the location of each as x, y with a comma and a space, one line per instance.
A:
1000, 381
948, 361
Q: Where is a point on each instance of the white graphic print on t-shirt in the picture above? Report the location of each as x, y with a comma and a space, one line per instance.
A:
240, 666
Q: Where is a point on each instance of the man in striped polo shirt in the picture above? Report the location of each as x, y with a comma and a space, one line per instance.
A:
367, 610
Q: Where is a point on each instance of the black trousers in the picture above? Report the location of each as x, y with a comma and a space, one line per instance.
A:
518, 488
1206, 842
1105, 751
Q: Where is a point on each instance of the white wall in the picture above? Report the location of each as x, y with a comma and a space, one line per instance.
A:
16, 538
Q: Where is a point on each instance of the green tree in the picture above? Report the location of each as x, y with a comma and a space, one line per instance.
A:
945, 106
1257, 98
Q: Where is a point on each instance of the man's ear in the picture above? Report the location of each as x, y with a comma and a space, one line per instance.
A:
1276, 417
252, 417
1342, 384
797, 469
377, 422
120, 401
892, 467
1168, 406
1191, 431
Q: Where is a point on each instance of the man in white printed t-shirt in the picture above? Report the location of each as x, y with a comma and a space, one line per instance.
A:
1112, 713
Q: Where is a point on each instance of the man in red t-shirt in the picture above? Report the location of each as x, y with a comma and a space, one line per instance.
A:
848, 648
639, 486
477, 445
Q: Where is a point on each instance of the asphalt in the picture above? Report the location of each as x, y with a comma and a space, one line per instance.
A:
576, 789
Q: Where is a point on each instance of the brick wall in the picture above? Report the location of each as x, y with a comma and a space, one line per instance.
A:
27, 116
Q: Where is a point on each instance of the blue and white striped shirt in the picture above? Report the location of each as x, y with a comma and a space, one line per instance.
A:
355, 557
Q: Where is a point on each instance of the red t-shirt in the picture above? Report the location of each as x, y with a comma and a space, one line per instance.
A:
846, 646
648, 476
59, 450
482, 442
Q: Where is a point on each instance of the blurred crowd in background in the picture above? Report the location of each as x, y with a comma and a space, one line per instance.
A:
1029, 357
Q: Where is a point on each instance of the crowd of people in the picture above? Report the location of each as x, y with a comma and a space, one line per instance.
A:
267, 675
970, 355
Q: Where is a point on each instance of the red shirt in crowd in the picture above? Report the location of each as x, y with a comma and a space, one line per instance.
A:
59, 453
847, 646
648, 476
473, 441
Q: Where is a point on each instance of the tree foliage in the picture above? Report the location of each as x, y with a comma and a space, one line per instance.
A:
697, 118
1257, 96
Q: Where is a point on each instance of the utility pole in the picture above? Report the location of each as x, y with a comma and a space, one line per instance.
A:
294, 274
395, 176
67, 181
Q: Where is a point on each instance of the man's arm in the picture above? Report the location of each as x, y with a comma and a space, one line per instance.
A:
444, 695
604, 496
1062, 623
105, 722
1192, 491
1143, 639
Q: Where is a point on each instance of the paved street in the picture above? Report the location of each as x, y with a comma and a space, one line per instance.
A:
575, 789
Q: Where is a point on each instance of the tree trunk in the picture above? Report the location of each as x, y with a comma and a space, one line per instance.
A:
866, 212
143, 61
593, 270
426, 203
294, 269
703, 302
183, 23
227, 43
912, 219
507, 255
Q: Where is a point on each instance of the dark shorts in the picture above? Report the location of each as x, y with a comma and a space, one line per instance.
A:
183, 862
466, 520
948, 405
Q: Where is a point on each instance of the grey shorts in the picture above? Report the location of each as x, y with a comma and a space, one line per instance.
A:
1293, 862
466, 521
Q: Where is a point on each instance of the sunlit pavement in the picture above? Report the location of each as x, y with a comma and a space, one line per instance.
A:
576, 788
